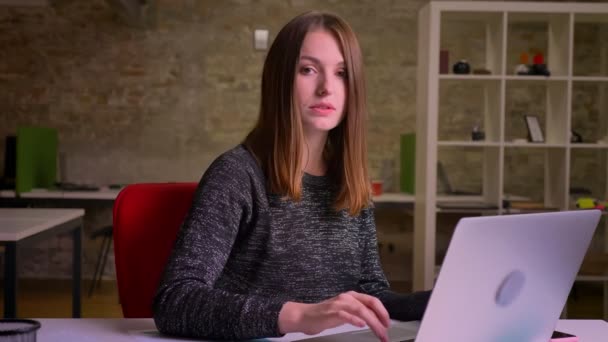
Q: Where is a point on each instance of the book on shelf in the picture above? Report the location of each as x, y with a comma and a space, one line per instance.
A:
527, 205
469, 205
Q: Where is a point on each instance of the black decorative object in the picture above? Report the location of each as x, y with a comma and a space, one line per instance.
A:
477, 134
462, 67
540, 70
575, 137
539, 67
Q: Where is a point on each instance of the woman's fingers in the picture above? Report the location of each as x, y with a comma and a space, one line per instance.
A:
375, 305
351, 319
349, 303
354, 308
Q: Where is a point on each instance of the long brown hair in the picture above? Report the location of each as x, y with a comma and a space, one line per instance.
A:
277, 138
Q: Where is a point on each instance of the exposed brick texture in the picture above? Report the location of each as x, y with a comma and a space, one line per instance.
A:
158, 103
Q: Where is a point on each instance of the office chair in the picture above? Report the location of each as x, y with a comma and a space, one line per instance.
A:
146, 220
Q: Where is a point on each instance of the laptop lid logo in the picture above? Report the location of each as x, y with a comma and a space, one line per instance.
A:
510, 288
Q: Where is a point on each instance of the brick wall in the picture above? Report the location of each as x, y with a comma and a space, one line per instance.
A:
159, 103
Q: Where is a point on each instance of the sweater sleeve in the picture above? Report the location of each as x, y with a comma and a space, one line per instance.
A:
403, 307
187, 302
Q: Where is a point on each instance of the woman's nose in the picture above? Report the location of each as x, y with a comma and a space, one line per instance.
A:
324, 86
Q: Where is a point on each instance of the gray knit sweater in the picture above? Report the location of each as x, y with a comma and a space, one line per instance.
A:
243, 252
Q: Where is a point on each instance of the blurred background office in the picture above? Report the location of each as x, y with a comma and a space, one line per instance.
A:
154, 90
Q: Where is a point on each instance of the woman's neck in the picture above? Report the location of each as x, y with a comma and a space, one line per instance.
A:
312, 156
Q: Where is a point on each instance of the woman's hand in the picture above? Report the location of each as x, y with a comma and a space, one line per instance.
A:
351, 307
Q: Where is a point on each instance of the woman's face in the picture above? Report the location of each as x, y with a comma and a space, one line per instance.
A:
320, 83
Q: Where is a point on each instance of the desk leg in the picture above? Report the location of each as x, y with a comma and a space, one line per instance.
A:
10, 280
76, 272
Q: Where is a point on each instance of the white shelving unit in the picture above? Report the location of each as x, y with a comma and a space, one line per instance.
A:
498, 23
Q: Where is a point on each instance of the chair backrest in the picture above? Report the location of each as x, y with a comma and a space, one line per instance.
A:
147, 218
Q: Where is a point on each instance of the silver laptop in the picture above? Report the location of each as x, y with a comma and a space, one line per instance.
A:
504, 278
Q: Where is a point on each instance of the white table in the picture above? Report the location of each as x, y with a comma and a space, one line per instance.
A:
119, 330
21, 226
104, 194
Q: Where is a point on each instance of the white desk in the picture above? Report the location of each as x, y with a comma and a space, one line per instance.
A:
119, 330
7, 193
103, 193
26, 225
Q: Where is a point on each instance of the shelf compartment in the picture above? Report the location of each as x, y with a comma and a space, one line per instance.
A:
588, 171
532, 33
548, 101
590, 53
475, 37
468, 173
538, 174
590, 113
458, 118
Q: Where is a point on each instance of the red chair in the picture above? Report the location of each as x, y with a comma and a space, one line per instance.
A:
147, 218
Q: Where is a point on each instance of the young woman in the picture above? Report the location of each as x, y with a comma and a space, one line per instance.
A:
281, 235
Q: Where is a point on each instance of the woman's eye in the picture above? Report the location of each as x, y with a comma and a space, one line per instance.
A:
307, 70
341, 73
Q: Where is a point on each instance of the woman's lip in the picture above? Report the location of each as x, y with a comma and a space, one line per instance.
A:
322, 110
322, 106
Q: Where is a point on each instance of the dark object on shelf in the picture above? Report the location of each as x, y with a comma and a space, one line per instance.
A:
482, 72
477, 134
22, 330
444, 61
539, 67
462, 67
575, 137
540, 70
574, 190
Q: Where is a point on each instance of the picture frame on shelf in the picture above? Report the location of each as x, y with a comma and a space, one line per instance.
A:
535, 133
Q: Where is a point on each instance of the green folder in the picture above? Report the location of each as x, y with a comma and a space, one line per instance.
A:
36, 158
407, 154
